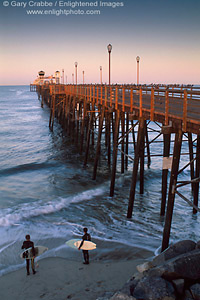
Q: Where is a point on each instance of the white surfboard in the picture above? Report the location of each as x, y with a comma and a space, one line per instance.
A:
87, 245
39, 250
70, 243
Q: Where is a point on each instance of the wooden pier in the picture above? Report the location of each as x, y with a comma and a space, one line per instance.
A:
113, 112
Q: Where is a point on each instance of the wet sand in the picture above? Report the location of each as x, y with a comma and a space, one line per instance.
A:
61, 279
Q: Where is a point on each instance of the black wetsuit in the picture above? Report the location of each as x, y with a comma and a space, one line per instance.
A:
26, 245
85, 237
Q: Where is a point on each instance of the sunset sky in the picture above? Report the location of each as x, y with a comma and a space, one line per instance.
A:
164, 33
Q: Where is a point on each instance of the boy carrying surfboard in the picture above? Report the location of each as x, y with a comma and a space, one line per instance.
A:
28, 244
85, 237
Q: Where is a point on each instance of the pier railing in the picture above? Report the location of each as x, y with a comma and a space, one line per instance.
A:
165, 104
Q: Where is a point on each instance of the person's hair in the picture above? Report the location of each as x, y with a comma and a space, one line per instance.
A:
85, 229
28, 237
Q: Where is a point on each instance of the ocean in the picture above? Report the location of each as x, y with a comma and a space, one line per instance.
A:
46, 192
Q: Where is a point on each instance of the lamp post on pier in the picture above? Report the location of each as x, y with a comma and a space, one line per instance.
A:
73, 78
138, 60
63, 76
101, 74
76, 64
83, 77
109, 47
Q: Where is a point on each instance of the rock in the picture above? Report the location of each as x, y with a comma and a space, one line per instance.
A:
121, 296
186, 266
195, 289
144, 267
188, 296
129, 287
179, 286
154, 288
157, 271
198, 245
170, 276
174, 251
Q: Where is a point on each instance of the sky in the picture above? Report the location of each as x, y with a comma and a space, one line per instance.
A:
164, 33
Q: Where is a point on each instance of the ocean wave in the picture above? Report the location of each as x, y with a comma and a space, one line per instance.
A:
20, 92
24, 168
26, 211
5, 247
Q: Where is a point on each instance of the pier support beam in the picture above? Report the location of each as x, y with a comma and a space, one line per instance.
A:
127, 139
172, 187
52, 113
122, 142
42, 102
140, 139
147, 145
166, 152
141, 153
133, 135
197, 173
78, 106
109, 138
98, 144
191, 154
115, 149
88, 138
82, 126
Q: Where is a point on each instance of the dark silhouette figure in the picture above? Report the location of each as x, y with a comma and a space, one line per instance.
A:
28, 244
85, 237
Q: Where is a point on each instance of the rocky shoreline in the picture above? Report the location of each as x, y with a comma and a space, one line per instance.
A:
172, 275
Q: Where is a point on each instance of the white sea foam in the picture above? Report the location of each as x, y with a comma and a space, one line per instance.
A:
5, 247
20, 92
26, 211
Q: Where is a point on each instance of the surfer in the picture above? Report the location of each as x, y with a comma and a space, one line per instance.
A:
85, 237
28, 244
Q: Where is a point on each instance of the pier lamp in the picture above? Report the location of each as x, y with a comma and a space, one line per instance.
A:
57, 77
76, 65
83, 77
63, 80
73, 78
109, 47
138, 60
101, 74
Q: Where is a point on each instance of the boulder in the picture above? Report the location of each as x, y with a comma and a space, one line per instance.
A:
170, 276
129, 287
179, 286
195, 289
121, 296
154, 288
144, 267
186, 266
191, 295
188, 296
173, 251
198, 245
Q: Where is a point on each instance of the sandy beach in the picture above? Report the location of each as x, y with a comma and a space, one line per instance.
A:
61, 279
